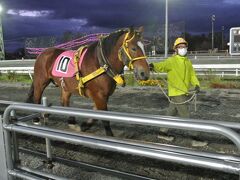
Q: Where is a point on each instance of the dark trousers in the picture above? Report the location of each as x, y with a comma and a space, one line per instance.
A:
180, 110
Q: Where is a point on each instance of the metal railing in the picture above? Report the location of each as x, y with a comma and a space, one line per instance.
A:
18, 70
201, 69
216, 161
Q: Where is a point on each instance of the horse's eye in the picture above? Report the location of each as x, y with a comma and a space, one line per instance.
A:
134, 49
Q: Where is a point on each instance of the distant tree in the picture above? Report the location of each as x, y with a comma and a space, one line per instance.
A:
79, 34
19, 53
198, 42
67, 36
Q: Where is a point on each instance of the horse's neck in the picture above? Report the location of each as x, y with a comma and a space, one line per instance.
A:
115, 62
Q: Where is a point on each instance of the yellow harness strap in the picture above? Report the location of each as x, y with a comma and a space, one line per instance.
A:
83, 80
94, 74
119, 80
77, 56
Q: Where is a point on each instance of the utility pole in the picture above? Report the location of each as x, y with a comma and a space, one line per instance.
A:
213, 19
166, 30
2, 53
222, 37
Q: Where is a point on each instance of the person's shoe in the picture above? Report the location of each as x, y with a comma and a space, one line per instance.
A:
74, 127
197, 143
163, 130
165, 136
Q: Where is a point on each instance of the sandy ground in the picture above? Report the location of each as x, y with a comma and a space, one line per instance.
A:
217, 104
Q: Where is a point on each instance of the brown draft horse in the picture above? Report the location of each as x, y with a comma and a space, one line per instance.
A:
118, 49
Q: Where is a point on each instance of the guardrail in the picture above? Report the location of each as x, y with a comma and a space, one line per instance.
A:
201, 69
196, 57
19, 70
157, 57
221, 162
217, 69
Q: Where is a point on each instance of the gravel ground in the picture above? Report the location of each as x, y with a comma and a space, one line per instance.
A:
217, 104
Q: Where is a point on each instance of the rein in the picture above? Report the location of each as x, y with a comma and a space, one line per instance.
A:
193, 97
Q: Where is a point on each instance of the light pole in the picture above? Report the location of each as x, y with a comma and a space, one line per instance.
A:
222, 37
213, 19
2, 54
166, 30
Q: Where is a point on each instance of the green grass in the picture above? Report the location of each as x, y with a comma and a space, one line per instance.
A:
207, 81
13, 77
130, 79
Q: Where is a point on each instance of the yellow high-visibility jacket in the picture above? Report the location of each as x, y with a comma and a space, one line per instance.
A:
180, 74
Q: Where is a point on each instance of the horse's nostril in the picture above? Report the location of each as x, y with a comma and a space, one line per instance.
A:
142, 74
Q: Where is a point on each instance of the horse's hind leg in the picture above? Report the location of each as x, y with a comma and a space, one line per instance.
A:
30, 94
39, 87
65, 101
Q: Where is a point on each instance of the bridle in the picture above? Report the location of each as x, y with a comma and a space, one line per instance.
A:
123, 55
124, 49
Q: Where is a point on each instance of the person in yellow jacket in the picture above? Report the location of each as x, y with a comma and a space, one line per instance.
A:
180, 76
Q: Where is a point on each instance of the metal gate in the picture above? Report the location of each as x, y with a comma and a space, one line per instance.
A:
9, 158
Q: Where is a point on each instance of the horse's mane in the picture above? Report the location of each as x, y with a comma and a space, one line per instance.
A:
108, 42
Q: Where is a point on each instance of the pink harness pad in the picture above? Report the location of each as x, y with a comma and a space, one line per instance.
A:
64, 64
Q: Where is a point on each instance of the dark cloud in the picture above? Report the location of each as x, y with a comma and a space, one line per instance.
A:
107, 15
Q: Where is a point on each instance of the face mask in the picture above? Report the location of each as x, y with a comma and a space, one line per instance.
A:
182, 51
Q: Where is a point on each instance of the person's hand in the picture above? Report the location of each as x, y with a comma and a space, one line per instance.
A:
151, 66
197, 89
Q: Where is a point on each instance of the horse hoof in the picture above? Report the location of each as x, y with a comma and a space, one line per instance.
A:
36, 121
85, 126
74, 127
72, 120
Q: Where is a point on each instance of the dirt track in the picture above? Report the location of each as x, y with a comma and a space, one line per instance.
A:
212, 104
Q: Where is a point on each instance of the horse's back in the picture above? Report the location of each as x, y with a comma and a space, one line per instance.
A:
46, 59
49, 54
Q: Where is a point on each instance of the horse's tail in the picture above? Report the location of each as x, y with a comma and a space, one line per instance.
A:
30, 94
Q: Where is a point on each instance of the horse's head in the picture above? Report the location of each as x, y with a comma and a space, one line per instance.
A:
132, 53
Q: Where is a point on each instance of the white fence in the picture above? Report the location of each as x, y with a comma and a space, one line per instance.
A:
19, 70
201, 69
197, 57
217, 69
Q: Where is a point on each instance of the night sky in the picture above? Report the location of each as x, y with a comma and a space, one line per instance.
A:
29, 18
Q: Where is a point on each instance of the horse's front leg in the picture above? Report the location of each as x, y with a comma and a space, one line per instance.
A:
100, 104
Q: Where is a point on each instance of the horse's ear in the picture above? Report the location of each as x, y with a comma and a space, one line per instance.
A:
139, 31
131, 31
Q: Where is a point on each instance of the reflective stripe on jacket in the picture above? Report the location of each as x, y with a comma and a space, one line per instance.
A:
180, 74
